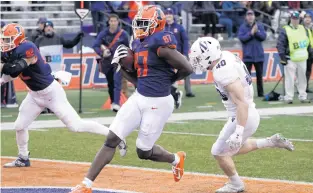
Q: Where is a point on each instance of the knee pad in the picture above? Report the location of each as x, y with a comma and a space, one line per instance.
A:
112, 140
144, 154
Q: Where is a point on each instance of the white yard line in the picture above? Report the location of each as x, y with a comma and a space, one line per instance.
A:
174, 117
164, 171
179, 118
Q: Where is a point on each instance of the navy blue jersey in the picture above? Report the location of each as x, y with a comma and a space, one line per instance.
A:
154, 73
36, 76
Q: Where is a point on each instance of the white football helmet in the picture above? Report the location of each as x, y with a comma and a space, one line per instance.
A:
203, 52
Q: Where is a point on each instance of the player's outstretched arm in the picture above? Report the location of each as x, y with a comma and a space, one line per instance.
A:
236, 92
177, 60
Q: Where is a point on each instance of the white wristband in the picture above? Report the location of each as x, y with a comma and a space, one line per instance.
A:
239, 129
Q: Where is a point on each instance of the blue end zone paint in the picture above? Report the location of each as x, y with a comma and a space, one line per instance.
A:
50, 190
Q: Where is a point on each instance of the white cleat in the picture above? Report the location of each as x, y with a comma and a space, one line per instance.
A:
230, 188
115, 107
281, 142
123, 148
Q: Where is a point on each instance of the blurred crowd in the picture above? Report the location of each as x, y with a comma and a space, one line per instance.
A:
228, 14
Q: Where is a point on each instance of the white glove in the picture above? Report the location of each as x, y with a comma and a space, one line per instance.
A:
120, 52
63, 76
235, 140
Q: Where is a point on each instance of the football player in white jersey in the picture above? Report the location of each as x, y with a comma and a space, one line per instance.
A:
234, 84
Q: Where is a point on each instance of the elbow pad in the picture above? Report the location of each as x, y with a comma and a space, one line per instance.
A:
15, 68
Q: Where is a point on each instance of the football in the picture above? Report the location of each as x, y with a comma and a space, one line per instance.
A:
128, 62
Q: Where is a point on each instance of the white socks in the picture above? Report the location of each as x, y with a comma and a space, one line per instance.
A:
22, 137
264, 143
87, 182
177, 160
235, 179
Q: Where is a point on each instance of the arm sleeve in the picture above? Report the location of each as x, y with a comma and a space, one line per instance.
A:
15, 68
260, 34
244, 35
97, 44
70, 43
185, 41
282, 43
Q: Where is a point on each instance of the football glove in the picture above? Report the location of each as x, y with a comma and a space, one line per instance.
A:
120, 52
235, 140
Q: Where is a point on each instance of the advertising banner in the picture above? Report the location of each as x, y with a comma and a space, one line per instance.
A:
92, 78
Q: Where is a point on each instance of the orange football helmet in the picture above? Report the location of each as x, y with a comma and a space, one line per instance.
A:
148, 20
11, 36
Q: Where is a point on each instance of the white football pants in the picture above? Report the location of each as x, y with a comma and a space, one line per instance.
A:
298, 70
54, 98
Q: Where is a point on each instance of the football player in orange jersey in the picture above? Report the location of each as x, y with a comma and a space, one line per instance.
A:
156, 59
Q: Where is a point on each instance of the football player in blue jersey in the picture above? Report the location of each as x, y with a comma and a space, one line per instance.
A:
148, 109
22, 59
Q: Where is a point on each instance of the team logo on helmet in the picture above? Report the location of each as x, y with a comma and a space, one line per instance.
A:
204, 46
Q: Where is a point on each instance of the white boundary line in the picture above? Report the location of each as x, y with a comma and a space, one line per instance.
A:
61, 187
166, 171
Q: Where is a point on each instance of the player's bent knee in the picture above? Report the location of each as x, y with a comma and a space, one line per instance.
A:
144, 154
215, 150
112, 140
18, 125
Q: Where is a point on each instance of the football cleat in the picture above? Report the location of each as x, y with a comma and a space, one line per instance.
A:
123, 148
281, 142
21, 161
230, 188
179, 101
81, 188
178, 170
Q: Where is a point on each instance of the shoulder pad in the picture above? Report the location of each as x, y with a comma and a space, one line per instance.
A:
164, 38
26, 49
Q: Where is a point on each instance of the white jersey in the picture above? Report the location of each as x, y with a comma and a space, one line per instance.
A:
229, 69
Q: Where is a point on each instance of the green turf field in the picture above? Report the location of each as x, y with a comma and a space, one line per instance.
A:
207, 99
278, 164
271, 163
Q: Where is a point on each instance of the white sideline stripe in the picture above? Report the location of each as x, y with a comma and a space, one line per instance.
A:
61, 187
215, 135
166, 171
174, 117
